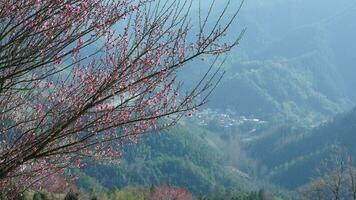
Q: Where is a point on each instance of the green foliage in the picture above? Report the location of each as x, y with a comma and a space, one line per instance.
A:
134, 193
42, 196
276, 91
220, 194
288, 152
129, 193
181, 157
72, 196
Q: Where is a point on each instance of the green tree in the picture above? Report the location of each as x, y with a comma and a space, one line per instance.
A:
72, 196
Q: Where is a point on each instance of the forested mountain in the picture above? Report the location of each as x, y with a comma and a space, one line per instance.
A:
295, 71
289, 152
182, 157
290, 66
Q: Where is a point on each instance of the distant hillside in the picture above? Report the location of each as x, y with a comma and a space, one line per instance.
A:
289, 67
279, 91
292, 154
179, 157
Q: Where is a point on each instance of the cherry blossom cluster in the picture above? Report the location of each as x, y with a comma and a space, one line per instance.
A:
82, 79
165, 192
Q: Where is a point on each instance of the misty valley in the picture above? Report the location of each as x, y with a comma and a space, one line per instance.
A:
126, 100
